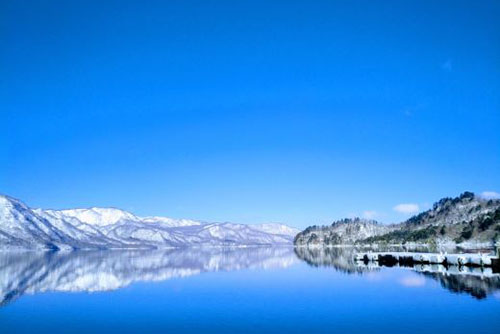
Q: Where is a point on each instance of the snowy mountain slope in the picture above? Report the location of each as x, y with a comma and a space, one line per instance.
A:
98, 216
21, 227
25, 228
275, 228
346, 232
169, 222
467, 220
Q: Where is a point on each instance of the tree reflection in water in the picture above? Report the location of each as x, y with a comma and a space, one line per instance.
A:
477, 282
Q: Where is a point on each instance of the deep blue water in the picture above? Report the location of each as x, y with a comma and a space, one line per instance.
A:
236, 291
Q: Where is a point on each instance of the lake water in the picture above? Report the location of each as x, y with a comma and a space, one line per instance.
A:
252, 290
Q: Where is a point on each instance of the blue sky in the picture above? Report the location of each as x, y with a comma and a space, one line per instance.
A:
297, 112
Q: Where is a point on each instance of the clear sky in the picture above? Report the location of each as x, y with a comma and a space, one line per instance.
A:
288, 111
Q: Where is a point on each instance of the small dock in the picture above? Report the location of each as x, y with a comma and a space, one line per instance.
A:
410, 259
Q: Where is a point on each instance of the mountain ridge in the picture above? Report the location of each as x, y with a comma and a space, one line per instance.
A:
467, 220
108, 228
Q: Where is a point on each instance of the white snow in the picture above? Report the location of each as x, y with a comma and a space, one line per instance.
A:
99, 216
23, 227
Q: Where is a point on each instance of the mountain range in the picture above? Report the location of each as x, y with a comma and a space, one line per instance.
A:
468, 220
22, 227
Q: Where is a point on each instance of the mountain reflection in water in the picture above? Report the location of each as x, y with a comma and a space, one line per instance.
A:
91, 271
478, 282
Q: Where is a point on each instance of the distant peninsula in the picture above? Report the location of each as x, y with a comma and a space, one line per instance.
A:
467, 220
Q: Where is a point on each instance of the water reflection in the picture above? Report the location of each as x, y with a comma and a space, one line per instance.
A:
477, 282
90, 271
478, 286
33, 272
342, 259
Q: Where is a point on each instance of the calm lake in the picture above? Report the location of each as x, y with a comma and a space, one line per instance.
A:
250, 290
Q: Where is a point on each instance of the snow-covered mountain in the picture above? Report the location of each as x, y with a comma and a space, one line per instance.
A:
107, 228
467, 220
343, 232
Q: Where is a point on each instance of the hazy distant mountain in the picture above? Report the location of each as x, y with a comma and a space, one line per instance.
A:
468, 220
104, 228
